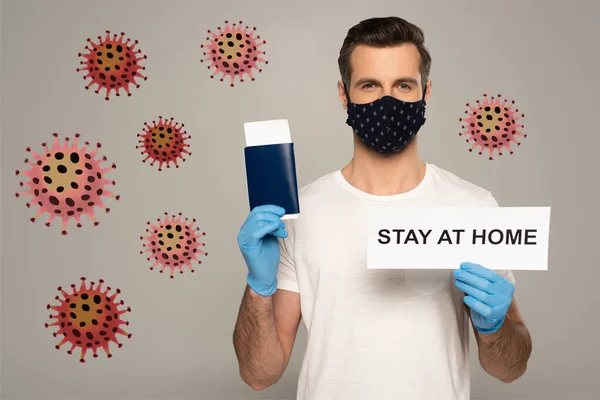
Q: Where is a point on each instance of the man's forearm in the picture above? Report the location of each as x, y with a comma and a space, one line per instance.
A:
504, 354
257, 346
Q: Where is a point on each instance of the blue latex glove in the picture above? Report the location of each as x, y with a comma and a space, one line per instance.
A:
258, 243
489, 295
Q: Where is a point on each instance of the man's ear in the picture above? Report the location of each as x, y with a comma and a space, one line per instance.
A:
428, 91
342, 95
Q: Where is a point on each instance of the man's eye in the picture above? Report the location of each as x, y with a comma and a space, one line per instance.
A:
404, 86
367, 85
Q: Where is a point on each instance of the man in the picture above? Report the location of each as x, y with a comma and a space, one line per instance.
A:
373, 334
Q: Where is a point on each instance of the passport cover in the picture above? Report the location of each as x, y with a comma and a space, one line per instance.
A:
271, 176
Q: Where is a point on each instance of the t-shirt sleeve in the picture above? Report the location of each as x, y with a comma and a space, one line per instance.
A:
286, 275
506, 273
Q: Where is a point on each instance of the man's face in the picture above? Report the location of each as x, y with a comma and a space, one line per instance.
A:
388, 71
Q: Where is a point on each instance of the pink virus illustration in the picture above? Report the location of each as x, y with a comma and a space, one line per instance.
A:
492, 125
112, 64
173, 243
164, 142
88, 318
67, 181
234, 52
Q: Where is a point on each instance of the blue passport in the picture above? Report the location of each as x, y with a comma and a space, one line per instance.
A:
271, 177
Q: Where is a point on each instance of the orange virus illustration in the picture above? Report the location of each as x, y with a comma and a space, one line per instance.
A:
173, 243
234, 52
164, 142
492, 125
112, 64
66, 181
88, 318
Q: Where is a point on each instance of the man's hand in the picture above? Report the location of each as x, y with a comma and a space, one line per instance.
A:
257, 240
489, 295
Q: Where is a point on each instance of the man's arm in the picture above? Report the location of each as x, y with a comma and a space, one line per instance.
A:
264, 336
504, 353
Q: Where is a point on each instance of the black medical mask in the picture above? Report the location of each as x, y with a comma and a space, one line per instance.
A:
386, 125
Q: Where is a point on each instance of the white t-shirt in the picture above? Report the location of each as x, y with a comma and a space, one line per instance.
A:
375, 334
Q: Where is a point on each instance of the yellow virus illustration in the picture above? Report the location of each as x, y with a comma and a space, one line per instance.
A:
492, 125
67, 181
234, 52
88, 318
164, 142
173, 243
112, 64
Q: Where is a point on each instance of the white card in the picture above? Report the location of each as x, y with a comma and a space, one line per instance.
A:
262, 133
513, 238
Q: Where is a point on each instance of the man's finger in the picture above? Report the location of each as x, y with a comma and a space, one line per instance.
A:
474, 280
279, 211
481, 271
264, 216
473, 292
265, 229
478, 306
280, 233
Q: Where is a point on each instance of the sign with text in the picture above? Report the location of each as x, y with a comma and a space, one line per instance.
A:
443, 237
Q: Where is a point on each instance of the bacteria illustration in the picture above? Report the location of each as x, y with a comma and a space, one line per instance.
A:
112, 64
173, 243
67, 181
88, 318
164, 142
492, 125
234, 52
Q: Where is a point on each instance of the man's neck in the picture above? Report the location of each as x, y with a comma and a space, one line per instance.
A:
385, 174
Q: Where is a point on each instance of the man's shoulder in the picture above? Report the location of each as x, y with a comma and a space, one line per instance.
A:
448, 183
317, 187
317, 195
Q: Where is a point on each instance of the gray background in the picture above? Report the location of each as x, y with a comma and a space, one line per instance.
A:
542, 54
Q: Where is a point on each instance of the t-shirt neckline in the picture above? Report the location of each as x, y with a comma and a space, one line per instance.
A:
357, 192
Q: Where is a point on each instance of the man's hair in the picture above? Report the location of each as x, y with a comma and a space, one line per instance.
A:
383, 32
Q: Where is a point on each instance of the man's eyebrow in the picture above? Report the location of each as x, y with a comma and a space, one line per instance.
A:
405, 79
362, 81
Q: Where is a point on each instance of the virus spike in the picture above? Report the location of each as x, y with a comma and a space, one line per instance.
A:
88, 318
37, 214
164, 142
62, 342
65, 294
119, 61
66, 182
233, 52
492, 125
83, 351
173, 243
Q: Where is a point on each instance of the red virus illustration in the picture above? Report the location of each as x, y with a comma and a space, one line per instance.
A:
88, 318
67, 182
492, 125
173, 243
164, 142
112, 64
234, 52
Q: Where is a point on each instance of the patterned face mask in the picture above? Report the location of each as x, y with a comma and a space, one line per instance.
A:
386, 125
